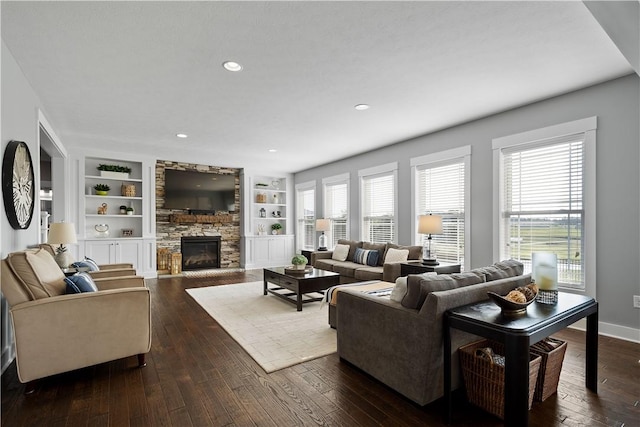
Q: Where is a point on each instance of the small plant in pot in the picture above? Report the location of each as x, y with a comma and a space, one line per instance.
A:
275, 228
129, 211
299, 262
123, 209
102, 189
114, 168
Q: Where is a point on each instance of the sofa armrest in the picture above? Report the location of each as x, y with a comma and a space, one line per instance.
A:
390, 342
120, 282
115, 266
114, 272
320, 255
391, 271
68, 332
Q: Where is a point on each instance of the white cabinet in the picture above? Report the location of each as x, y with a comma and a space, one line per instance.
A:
107, 251
268, 251
268, 205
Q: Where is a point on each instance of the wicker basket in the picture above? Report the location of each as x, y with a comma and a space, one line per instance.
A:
552, 352
128, 190
484, 379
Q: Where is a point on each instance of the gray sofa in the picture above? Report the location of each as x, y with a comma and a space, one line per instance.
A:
351, 272
400, 343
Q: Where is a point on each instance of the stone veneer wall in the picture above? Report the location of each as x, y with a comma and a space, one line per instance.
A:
168, 234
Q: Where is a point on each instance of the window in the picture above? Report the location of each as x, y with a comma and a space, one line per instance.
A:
336, 207
441, 188
306, 215
378, 203
546, 200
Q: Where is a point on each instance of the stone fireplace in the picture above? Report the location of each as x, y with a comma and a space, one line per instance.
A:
224, 226
200, 252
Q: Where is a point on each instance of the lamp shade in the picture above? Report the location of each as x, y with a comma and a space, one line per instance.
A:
62, 233
323, 225
430, 224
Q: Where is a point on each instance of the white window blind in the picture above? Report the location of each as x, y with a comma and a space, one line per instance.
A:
542, 204
441, 191
306, 214
336, 209
378, 208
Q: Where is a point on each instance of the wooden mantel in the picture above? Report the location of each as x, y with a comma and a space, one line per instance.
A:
201, 219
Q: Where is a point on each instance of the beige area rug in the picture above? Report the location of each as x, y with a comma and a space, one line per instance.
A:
271, 330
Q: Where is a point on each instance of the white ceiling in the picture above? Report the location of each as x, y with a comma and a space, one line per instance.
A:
128, 76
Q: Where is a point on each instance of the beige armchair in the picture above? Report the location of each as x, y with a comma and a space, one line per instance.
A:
57, 333
106, 270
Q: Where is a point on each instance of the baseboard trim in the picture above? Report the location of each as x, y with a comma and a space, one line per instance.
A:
611, 330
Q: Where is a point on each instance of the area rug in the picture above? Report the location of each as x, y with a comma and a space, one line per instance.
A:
274, 334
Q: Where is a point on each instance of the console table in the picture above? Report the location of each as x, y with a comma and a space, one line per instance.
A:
518, 334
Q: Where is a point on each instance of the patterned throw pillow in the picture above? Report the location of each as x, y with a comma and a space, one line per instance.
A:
80, 282
87, 263
366, 257
340, 252
396, 255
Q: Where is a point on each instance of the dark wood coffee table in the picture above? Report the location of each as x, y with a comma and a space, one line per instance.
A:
307, 282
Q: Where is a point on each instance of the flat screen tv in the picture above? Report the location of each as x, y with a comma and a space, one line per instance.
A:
198, 191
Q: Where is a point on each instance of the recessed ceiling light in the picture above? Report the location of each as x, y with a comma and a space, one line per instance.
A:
181, 135
232, 66
361, 107
272, 150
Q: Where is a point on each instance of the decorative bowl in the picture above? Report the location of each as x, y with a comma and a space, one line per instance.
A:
510, 308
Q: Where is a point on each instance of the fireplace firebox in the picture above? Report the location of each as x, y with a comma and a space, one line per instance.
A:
200, 252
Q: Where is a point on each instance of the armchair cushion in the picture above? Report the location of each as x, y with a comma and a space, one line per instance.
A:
39, 273
80, 282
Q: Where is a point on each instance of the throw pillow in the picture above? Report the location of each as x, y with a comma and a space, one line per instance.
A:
87, 263
92, 262
352, 246
396, 255
415, 252
340, 252
80, 282
399, 290
366, 257
380, 247
420, 286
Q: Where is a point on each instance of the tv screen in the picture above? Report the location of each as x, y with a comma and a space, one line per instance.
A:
198, 191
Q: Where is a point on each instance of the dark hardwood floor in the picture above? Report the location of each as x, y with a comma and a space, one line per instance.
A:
196, 375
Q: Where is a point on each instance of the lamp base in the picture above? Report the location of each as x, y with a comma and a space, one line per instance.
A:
432, 262
63, 259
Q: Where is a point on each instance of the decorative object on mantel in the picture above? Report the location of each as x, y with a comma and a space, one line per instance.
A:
128, 190
127, 232
114, 171
201, 219
275, 228
102, 209
101, 189
62, 233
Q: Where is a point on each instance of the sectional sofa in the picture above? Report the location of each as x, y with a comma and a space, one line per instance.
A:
398, 339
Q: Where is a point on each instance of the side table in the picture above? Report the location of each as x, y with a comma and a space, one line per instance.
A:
518, 334
417, 267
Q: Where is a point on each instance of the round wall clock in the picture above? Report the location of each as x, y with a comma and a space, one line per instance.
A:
18, 184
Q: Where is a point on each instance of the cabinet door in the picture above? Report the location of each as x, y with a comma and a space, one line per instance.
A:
261, 251
277, 248
129, 251
101, 251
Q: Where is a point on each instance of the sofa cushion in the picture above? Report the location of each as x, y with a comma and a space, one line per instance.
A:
419, 286
511, 266
415, 252
340, 252
39, 272
491, 273
366, 257
352, 246
380, 247
80, 282
326, 264
369, 273
396, 255
346, 268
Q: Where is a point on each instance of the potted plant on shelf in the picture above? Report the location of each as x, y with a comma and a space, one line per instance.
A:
123, 209
129, 210
299, 262
102, 189
275, 228
114, 171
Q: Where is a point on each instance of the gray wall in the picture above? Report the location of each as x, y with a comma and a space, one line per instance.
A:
616, 104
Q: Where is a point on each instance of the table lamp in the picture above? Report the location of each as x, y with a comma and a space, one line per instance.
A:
322, 225
62, 233
429, 224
